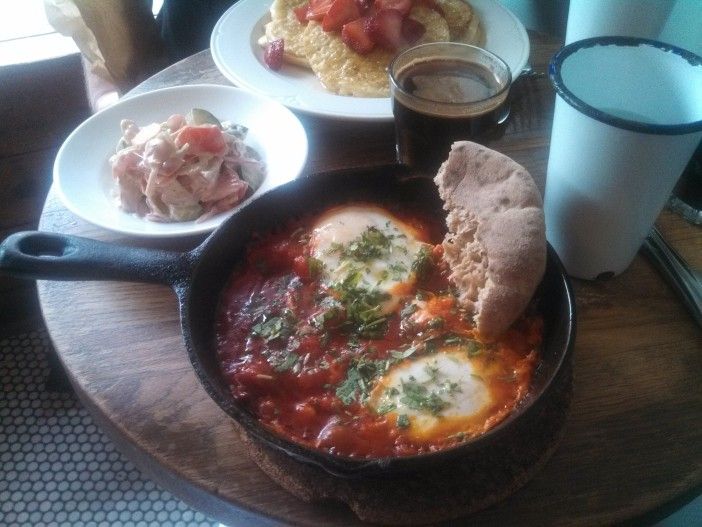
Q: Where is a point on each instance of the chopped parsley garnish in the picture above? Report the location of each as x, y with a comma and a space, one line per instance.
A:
387, 406
459, 437
450, 388
364, 315
418, 397
423, 262
402, 421
371, 244
330, 309
277, 327
399, 355
359, 377
353, 342
408, 310
436, 323
315, 267
398, 271
472, 347
432, 370
431, 345
284, 362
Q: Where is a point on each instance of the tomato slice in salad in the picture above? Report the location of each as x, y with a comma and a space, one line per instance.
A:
204, 138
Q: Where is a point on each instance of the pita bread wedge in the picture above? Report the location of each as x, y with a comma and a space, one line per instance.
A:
496, 240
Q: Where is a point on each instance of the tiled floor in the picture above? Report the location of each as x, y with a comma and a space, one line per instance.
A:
56, 466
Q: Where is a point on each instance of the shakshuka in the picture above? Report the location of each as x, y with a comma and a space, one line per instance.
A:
341, 332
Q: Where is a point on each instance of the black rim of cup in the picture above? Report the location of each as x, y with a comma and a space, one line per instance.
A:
554, 73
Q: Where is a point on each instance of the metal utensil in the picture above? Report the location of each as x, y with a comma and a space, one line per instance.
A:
686, 281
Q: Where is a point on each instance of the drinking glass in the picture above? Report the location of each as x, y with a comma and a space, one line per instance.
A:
444, 92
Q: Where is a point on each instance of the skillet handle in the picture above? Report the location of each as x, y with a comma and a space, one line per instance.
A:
50, 256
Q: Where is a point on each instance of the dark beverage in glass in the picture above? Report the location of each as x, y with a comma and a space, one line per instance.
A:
446, 92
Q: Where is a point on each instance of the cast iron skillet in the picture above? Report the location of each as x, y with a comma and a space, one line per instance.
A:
199, 275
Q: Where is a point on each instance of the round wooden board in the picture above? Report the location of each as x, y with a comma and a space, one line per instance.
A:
632, 443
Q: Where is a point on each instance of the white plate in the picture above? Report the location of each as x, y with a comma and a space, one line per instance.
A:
82, 172
235, 50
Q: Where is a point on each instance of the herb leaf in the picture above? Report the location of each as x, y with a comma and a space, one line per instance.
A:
371, 244
277, 327
402, 421
364, 315
359, 377
399, 355
472, 347
284, 362
315, 267
423, 262
418, 397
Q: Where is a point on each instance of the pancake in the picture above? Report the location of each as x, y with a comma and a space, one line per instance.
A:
343, 71
458, 15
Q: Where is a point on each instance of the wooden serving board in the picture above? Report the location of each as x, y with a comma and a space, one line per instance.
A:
631, 445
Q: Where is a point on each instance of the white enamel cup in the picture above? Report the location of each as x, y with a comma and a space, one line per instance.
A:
627, 120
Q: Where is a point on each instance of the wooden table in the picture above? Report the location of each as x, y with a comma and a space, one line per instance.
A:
633, 442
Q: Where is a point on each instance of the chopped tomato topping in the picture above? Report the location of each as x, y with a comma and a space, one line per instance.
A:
403, 6
364, 5
385, 29
317, 9
273, 54
356, 37
340, 12
301, 12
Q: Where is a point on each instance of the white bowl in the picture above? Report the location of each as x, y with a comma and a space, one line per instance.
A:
82, 174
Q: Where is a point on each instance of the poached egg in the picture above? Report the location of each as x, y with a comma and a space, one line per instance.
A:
369, 247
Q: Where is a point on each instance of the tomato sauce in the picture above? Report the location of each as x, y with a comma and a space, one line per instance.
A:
292, 356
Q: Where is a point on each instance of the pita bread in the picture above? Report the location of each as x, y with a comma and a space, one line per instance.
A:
496, 240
